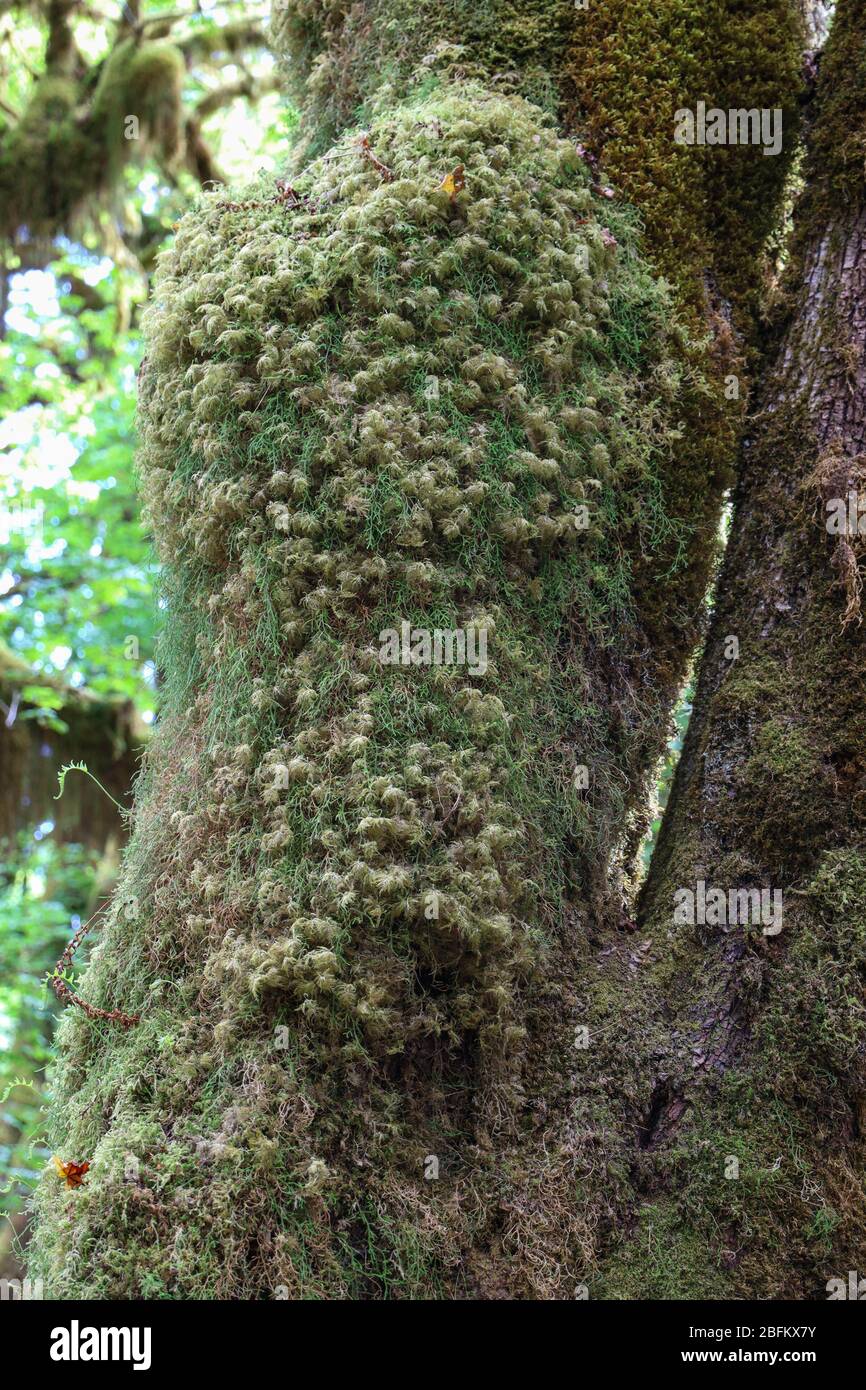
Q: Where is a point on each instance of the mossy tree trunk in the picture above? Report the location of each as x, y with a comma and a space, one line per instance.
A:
754, 1141
396, 1033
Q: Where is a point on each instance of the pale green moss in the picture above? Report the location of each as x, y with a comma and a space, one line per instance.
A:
308, 489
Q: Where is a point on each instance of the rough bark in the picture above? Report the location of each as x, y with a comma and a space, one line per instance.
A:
763, 1058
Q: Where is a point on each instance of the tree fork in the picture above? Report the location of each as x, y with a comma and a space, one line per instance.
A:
762, 1069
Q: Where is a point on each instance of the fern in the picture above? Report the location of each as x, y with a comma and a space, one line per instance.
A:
82, 767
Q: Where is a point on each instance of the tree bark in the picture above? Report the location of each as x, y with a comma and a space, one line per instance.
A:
105, 734
763, 1058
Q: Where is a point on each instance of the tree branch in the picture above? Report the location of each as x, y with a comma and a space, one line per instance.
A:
230, 38
250, 87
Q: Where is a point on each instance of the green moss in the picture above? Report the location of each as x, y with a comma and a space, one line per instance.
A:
70, 144
664, 1260
834, 175
617, 71
786, 781
761, 1061
708, 211
342, 63
305, 806
786, 1113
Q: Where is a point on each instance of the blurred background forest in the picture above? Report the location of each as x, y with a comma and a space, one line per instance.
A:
112, 117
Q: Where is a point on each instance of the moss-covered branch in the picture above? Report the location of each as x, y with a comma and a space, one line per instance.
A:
763, 1061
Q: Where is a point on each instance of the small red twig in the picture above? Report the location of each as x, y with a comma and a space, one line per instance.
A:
367, 153
285, 195
65, 992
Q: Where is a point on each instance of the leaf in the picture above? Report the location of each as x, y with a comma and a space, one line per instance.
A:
43, 695
82, 767
72, 1173
454, 183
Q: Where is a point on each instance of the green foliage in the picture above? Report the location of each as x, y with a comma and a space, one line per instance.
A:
42, 891
664, 774
77, 575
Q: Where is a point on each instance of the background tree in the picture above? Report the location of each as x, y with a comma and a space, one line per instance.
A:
92, 94
761, 1060
84, 213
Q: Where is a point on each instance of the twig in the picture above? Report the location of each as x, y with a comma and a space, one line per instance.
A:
11, 709
367, 153
285, 194
65, 992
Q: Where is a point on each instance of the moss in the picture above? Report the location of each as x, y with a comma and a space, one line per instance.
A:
834, 175
787, 780
789, 1113
708, 211
341, 60
70, 144
762, 1153
614, 74
665, 1260
367, 900
144, 79
764, 1055
615, 71
380, 861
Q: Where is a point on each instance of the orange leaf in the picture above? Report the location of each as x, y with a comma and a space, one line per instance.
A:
453, 183
73, 1173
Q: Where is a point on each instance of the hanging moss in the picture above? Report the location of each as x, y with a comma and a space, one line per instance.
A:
70, 145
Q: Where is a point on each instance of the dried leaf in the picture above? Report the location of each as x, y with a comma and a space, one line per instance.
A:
72, 1173
454, 183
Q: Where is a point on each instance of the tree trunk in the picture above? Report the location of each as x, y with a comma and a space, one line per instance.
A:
754, 1134
371, 915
